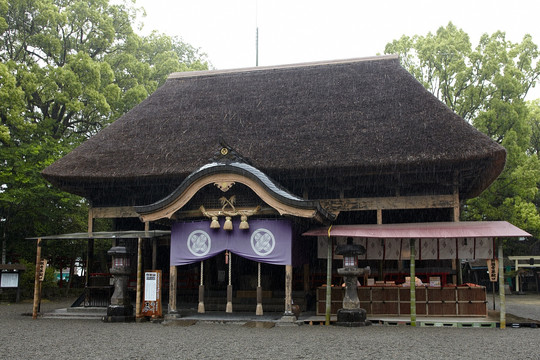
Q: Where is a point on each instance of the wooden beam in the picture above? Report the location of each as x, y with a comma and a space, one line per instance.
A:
197, 212
332, 205
389, 203
114, 212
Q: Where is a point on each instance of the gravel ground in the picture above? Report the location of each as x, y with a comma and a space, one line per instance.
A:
526, 306
24, 338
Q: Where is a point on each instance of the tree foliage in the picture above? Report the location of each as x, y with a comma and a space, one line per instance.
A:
534, 123
67, 69
487, 86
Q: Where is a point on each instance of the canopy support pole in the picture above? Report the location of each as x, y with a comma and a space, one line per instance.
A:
381, 262
37, 293
413, 282
502, 298
517, 275
138, 313
457, 278
328, 280
89, 256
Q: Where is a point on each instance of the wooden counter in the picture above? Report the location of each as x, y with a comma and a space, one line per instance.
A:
395, 300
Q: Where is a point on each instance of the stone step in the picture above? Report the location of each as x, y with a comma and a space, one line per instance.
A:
76, 313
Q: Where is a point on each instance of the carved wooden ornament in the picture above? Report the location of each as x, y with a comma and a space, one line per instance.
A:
224, 186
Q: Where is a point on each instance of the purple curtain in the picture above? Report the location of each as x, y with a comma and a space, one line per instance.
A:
267, 241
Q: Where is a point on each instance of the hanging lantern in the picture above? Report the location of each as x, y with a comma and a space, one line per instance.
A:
228, 224
243, 223
215, 223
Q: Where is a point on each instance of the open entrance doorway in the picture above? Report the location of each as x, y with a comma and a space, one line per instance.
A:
244, 278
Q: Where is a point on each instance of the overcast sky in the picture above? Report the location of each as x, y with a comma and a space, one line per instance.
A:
293, 31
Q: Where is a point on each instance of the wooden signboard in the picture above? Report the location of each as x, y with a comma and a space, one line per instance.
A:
152, 294
493, 268
435, 281
42, 268
9, 280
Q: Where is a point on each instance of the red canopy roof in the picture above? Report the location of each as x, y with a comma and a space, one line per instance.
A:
437, 230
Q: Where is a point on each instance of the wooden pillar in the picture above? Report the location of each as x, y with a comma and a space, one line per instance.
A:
456, 207
502, 297
328, 308
138, 313
90, 220
288, 290
154, 245
229, 307
173, 280
454, 270
37, 292
200, 308
259, 308
517, 276
413, 282
381, 262
89, 249
456, 263
89, 260
307, 285
154, 253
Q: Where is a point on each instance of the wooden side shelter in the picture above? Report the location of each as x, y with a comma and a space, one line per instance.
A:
339, 143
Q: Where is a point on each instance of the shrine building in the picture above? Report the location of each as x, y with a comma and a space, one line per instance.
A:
259, 173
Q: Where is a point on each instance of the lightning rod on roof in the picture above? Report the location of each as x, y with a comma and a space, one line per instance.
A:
256, 33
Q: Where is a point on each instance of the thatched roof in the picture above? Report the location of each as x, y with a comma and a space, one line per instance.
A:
360, 116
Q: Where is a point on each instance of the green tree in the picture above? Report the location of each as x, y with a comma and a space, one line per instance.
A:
67, 69
534, 123
487, 86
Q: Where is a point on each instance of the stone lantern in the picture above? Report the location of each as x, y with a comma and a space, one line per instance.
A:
351, 314
120, 309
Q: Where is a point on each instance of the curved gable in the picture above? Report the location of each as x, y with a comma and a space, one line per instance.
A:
225, 175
